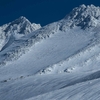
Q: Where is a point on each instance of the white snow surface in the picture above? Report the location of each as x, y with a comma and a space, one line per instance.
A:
60, 61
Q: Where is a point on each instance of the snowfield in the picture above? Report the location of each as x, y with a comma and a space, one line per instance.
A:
60, 61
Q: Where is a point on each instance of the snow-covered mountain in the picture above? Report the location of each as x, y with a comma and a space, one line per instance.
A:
83, 16
60, 61
15, 30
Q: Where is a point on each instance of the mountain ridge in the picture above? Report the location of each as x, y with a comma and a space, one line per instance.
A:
70, 21
58, 61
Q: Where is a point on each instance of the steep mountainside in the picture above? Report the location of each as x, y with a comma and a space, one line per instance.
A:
60, 61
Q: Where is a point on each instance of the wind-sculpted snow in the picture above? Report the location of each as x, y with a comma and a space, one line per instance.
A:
83, 91
60, 61
79, 61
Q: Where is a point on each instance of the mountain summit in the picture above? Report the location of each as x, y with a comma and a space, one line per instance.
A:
15, 30
22, 26
84, 16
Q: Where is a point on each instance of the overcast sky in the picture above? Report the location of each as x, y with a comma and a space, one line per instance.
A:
39, 11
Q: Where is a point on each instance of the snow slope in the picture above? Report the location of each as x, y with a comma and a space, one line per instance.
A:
60, 61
